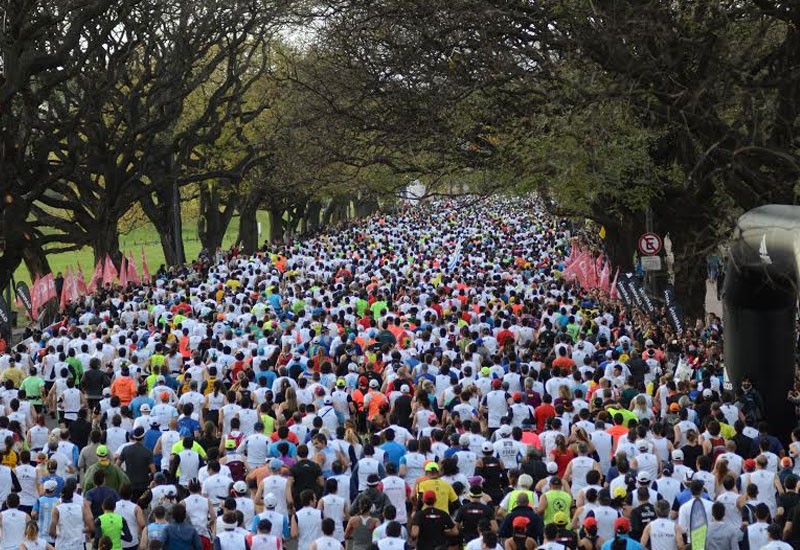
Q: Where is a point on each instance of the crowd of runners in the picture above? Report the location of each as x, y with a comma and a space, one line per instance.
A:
419, 379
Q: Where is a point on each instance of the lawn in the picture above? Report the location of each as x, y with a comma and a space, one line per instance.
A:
143, 238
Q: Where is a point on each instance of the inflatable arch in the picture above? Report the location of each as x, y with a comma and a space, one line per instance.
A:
760, 297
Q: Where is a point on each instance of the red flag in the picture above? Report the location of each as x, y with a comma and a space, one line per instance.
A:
605, 278
613, 292
43, 291
97, 277
574, 252
80, 282
133, 273
123, 273
109, 271
35, 297
66, 288
583, 269
145, 271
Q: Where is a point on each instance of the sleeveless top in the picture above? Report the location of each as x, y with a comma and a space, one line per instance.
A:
38, 544
328, 543
111, 526
69, 531
265, 542
362, 534
662, 534
127, 510
155, 531
309, 527
334, 509
13, 528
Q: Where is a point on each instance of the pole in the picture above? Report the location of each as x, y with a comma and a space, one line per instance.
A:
648, 275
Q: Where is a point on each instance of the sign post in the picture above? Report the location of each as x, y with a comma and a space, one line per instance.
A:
650, 244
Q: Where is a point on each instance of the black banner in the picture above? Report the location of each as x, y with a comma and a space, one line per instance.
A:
624, 293
673, 309
5, 317
24, 296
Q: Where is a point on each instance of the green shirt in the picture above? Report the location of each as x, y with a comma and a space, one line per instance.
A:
33, 386
77, 366
111, 526
557, 501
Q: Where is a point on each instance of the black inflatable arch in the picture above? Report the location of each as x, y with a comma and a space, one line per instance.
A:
760, 298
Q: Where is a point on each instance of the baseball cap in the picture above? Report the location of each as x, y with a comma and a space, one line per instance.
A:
50, 485
622, 525
552, 467
340, 383
505, 429
164, 396
643, 477
106, 391
517, 396
275, 464
619, 492
497, 383
520, 522
642, 445
485, 371
373, 480
428, 497
230, 444
431, 466
487, 447
373, 383
144, 407
560, 518
327, 400
404, 388
677, 454
270, 501
786, 462
240, 487
362, 381
102, 450
674, 407
589, 522
707, 392
749, 464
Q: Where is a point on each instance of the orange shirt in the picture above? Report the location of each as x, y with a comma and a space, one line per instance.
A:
616, 432
125, 388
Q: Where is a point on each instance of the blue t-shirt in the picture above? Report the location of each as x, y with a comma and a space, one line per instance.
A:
394, 452
630, 544
188, 426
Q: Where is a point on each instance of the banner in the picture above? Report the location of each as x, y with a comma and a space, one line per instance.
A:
145, 271
5, 318
123, 274
97, 277
24, 296
80, 282
109, 271
673, 310
133, 273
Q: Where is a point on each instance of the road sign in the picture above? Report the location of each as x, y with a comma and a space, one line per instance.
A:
650, 244
651, 263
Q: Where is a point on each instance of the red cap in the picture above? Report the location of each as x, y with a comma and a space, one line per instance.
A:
589, 522
497, 383
320, 390
622, 525
520, 522
517, 396
362, 381
428, 497
749, 464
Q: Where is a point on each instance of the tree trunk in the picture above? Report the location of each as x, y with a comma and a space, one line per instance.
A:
313, 212
213, 223
365, 205
166, 217
106, 242
277, 224
248, 227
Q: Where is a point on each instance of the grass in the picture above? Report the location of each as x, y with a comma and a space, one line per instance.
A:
143, 238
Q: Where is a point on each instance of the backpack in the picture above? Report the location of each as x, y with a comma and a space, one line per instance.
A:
717, 448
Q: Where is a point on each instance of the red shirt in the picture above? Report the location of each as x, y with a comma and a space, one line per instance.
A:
562, 460
542, 413
505, 336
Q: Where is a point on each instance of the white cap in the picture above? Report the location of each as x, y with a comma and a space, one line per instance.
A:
487, 447
642, 445
525, 481
373, 383
463, 440
50, 485
106, 391
677, 454
145, 407
505, 429
707, 392
240, 487
643, 477
270, 501
552, 467
327, 400
404, 388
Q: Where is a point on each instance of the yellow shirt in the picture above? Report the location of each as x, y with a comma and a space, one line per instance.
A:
444, 493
